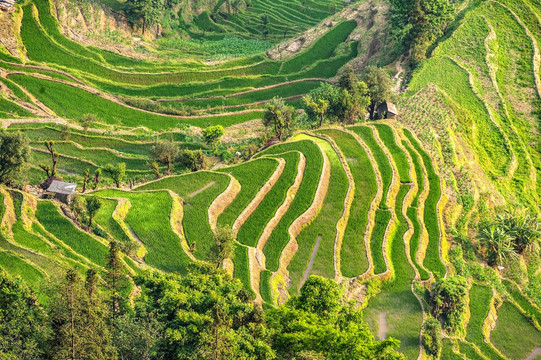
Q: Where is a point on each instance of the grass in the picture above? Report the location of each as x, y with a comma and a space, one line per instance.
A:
400, 159
252, 229
82, 243
61, 97
242, 267
447, 351
323, 48
403, 311
195, 223
265, 286
354, 260
18, 267
522, 301
514, 335
412, 212
382, 161
149, 219
480, 297
324, 225
251, 176
105, 219
431, 219
303, 198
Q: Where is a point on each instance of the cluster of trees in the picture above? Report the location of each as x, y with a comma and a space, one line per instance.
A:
351, 100
202, 314
419, 23
508, 236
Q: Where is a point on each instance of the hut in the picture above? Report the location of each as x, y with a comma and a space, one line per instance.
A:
6, 5
387, 110
63, 191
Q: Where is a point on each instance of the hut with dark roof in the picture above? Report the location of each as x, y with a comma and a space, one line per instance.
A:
387, 110
62, 191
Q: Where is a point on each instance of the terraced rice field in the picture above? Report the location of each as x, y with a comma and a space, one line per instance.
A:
306, 206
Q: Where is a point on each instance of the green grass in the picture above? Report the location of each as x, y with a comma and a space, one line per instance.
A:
265, 287
400, 159
324, 225
323, 48
514, 335
105, 219
82, 243
479, 307
382, 161
403, 310
195, 223
242, 267
251, 230
431, 219
354, 260
18, 267
9, 109
61, 97
302, 201
149, 219
412, 211
447, 351
522, 300
251, 176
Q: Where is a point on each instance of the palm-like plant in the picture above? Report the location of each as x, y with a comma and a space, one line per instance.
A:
497, 244
524, 229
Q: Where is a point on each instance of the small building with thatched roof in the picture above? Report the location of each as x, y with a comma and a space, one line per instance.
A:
387, 110
6, 5
62, 191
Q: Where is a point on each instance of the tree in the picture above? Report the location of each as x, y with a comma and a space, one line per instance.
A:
194, 160
24, 329
54, 156
155, 169
93, 205
317, 106
225, 244
380, 87
165, 152
136, 336
320, 325
280, 117
14, 154
86, 176
116, 173
117, 280
97, 178
78, 321
448, 301
149, 12
87, 120
431, 337
213, 134
205, 315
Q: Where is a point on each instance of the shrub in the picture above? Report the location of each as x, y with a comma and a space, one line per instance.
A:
432, 337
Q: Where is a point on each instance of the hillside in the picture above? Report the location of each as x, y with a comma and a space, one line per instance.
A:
386, 208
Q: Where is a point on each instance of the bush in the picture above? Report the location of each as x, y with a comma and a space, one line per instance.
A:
431, 338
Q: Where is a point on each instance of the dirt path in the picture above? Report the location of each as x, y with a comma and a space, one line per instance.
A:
536, 352
382, 329
196, 192
311, 262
